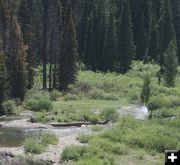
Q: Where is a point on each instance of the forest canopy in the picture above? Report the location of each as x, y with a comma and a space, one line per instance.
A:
100, 35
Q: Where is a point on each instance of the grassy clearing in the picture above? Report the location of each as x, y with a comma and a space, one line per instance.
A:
131, 141
93, 97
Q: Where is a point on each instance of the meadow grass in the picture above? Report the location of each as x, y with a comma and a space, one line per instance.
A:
138, 142
38, 144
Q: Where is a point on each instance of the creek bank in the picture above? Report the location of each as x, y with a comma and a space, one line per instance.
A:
23, 123
53, 152
66, 135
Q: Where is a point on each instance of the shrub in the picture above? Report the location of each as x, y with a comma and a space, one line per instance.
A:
159, 142
40, 117
84, 138
139, 69
38, 100
175, 102
158, 102
163, 101
54, 95
108, 146
94, 118
163, 113
110, 97
70, 97
36, 94
81, 87
119, 149
91, 161
63, 118
109, 114
39, 104
33, 146
97, 95
49, 138
97, 128
82, 153
45, 104
73, 153
9, 106
89, 116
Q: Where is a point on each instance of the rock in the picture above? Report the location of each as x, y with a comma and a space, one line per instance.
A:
6, 154
83, 126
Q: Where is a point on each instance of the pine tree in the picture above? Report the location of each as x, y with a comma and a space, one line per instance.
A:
26, 20
170, 64
176, 14
17, 71
99, 32
83, 27
20, 76
146, 89
166, 28
125, 38
2, 80
141, 41
95, 37
15, 51
46, 4
152, 50
110, 46
67, 64
89, 54
142, 20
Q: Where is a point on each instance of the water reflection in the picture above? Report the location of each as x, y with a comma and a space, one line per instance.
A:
10, 137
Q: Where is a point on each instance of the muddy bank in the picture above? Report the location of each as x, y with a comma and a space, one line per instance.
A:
53, 152
24, 123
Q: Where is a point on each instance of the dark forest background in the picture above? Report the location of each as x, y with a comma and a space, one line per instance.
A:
66, 35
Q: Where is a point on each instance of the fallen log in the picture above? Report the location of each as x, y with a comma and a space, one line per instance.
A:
76, 124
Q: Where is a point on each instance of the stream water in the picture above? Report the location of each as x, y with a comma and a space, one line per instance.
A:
14, 137
11, 137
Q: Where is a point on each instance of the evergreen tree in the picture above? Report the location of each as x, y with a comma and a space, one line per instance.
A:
54, 41
170, 64
2, 80
99, 32
141, 40
20, 77
89, 54
152, 50
110, 47
67, 64
26, 20
17, 71
15, 51
166, 28
146, 89
142, 35
125, 38
83, 27
176, 14
46, 4
95, 37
